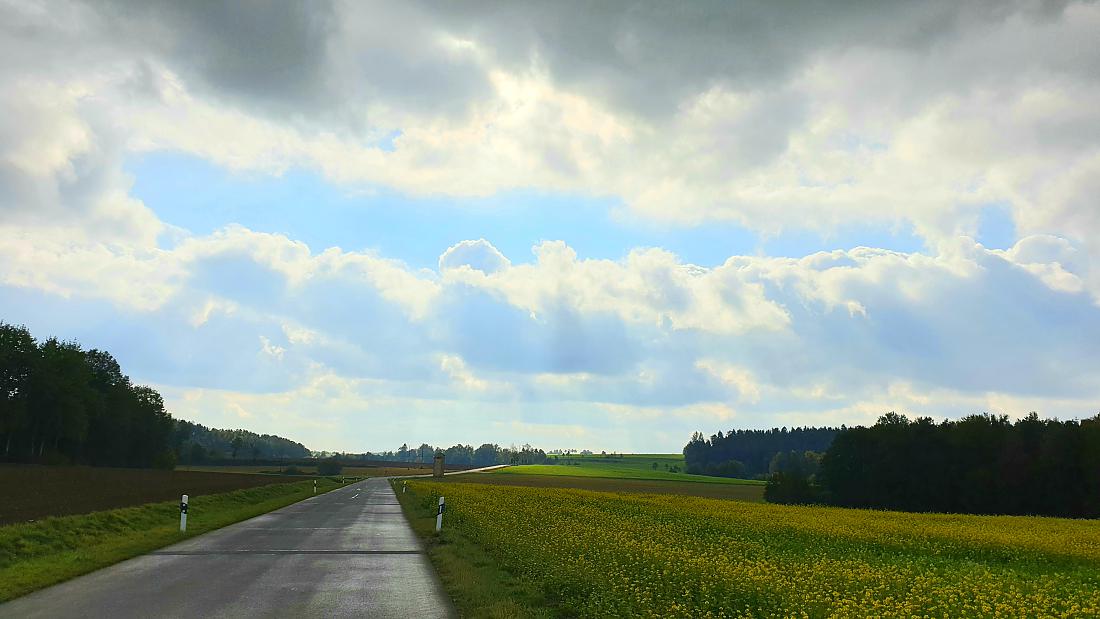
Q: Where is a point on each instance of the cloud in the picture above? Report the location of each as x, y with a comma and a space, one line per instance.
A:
650, 286
738, 377
649, 57
646, 329
276, 57
456, 369
60, 167
775, 117
478, 255
731, 112
271, 349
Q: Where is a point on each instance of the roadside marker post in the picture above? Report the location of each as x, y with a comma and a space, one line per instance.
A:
404, 486
314, 486
439, 516
183, 514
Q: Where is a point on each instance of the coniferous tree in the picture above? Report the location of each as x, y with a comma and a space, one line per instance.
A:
982, 464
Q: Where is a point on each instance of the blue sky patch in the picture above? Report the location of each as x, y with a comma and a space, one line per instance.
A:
996, 229
201, 197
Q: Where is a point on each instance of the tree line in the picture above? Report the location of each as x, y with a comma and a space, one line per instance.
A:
488, 454
61, 404
979, 464
195, 443
749, 453
982, 464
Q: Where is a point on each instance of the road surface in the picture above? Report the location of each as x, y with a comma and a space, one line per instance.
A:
346, 553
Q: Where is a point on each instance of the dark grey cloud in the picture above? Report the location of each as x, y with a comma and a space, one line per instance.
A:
273, 55
306, 62
327, 60
647, 56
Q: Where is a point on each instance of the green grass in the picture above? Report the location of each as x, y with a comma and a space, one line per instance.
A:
479, 588
643, 457
629, 466
632, 459
39, 554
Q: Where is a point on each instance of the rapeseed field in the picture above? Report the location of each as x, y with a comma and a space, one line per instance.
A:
613, 555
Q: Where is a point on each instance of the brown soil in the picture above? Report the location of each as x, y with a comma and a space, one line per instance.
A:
32, 492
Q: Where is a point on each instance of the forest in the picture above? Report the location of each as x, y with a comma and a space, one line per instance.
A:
61, 404
749, 453
979, 464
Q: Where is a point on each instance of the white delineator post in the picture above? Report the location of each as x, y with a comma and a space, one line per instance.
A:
404, 486
183, 514
439, 516
314, 486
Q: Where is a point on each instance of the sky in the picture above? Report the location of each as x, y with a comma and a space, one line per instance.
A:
570, 224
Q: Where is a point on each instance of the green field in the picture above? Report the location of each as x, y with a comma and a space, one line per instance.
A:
630, 466
37, 554
518, 551
633, 460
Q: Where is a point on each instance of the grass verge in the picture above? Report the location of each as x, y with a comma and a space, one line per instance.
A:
478, 588
38, 554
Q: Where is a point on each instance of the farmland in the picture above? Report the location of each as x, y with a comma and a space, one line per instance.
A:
398, 468
632, 466
32, 492
730, 491
601, 554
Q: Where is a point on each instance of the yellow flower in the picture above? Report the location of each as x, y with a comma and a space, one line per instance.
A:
671, 556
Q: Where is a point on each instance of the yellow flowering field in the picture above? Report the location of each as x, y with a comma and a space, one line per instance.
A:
615, 555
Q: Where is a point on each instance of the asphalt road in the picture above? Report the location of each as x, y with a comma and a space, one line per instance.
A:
346, 553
